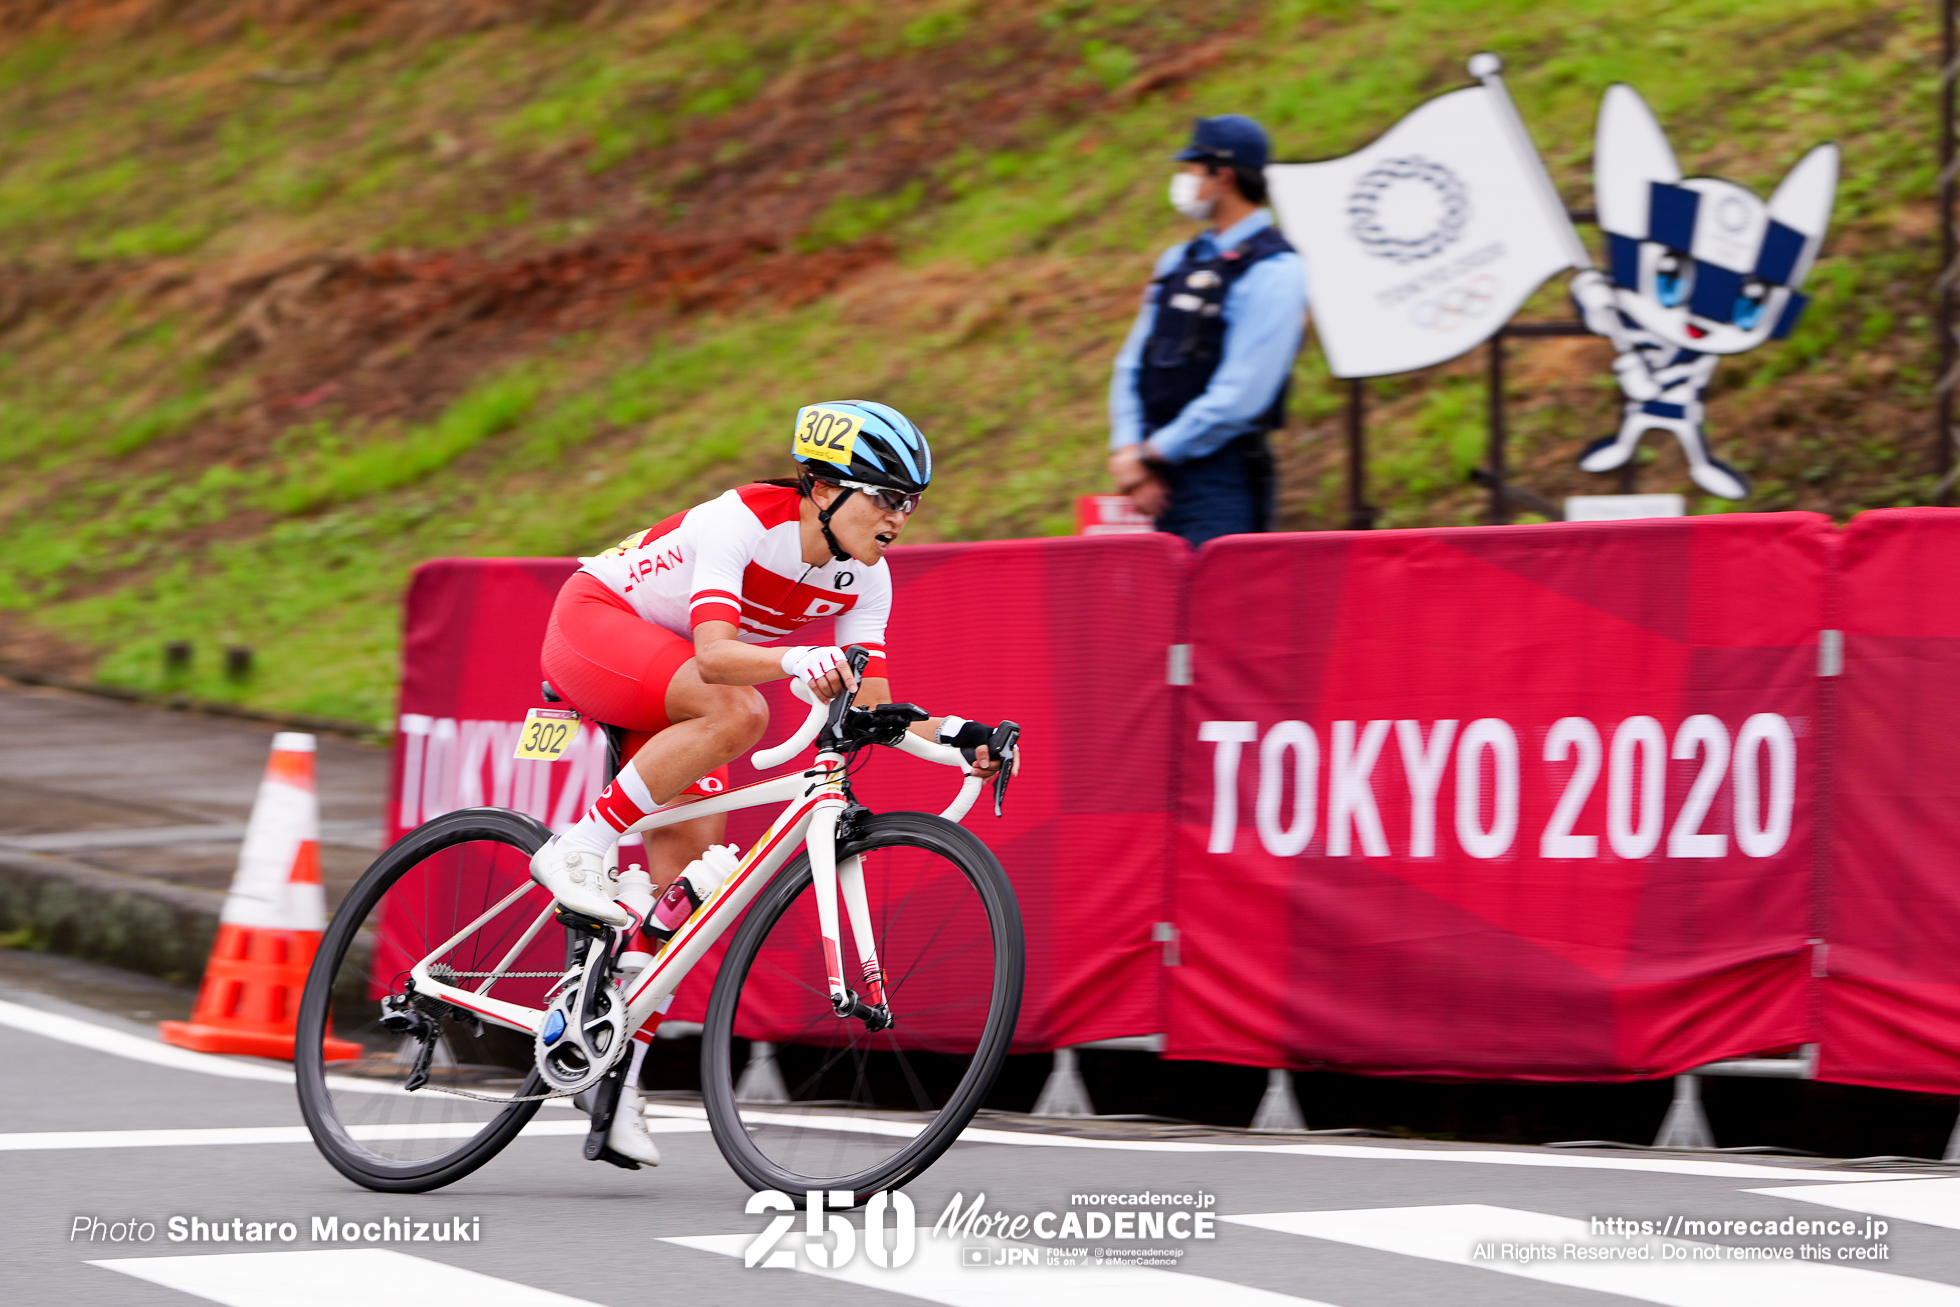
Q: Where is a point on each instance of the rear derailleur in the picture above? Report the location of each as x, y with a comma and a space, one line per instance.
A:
419, 1017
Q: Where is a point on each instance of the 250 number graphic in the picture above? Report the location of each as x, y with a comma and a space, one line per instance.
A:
762, 1250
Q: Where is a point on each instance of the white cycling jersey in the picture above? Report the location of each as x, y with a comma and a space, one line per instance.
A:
739, 558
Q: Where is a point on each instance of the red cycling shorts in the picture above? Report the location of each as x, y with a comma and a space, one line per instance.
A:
614, 666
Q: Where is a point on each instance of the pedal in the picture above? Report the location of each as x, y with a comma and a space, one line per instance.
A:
606, 1154
602, 1104
571, 920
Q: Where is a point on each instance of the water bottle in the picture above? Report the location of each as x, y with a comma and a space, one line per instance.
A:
635, 892
690, 890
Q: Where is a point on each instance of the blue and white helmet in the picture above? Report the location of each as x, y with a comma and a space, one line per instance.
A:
861, 440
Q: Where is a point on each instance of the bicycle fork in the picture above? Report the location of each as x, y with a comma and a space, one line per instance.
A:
828, 875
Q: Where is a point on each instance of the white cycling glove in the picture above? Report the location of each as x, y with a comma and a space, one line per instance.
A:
807, 662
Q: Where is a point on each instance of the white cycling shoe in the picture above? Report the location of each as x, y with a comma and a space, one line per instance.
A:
628, 1136
577, 879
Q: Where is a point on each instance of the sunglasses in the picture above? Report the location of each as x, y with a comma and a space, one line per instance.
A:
897, 501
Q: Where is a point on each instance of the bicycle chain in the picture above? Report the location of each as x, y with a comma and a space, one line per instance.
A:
523, 1098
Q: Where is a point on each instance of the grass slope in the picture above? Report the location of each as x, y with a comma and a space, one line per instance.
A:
285, 310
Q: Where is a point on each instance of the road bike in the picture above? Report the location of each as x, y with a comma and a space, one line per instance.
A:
476, 1000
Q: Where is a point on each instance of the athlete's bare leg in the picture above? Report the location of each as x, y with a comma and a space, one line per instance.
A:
671, 848
712, 725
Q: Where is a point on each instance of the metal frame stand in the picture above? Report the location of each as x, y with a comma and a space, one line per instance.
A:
1500, 505
1943, 289
1279, 1110
762, 1079
1064, 1094
1686, 1125
1361, 514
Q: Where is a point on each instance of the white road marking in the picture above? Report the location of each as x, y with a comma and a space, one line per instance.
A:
333, 1277
1449, 1233
935, 1274
136, 1048
40, 1141
121, 1044
1929, 1202
1344, 1152
364, 835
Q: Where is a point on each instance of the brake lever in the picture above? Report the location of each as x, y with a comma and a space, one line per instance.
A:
859, 658
887, 722
1006, 737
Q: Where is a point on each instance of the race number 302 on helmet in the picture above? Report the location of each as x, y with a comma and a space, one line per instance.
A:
861, 440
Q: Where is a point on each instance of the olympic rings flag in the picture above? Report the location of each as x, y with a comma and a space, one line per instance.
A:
1421, 246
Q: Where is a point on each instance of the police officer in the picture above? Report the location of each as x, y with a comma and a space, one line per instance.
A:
1202, 377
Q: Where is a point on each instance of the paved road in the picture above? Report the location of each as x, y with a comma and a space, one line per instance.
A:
94, 1127
159, 793
98, 1121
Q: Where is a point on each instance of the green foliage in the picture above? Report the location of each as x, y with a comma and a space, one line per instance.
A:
332, 474
1108, 63
128, 519
162, 418
852, 217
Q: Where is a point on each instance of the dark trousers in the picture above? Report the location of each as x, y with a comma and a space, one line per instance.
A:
1227, 492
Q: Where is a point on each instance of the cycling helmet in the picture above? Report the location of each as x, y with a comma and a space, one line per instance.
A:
859, 440
859, 443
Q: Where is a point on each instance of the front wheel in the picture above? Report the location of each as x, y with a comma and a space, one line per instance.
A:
801, 1099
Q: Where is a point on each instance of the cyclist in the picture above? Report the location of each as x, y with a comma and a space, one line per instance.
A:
658, 635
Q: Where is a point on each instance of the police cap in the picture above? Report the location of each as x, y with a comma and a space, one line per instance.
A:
1228, 138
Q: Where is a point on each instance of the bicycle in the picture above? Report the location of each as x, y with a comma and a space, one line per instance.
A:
870, 1087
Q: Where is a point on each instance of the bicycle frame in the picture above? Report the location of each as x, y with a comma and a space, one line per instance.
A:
814, 800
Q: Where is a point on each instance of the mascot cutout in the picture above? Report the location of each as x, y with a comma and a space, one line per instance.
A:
1699, 268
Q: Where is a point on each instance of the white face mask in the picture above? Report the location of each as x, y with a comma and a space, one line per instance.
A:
1184, 197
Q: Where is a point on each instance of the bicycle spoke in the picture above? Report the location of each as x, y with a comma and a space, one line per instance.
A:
390, 1138
919, 1095
934, 940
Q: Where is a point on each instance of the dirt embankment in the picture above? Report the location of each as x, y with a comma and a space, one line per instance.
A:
730, 212
217, 20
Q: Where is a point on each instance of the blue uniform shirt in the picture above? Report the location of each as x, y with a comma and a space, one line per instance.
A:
1265, 315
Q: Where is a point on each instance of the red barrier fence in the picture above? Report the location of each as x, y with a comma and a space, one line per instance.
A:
1889, 974
1564, 802
1460, 802
1019, 629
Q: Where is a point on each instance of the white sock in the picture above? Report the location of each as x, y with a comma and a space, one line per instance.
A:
640, 1047
635, 785
621, 804
642, 1042
591, 834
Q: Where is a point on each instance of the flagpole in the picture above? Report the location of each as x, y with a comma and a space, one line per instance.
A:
1486, 68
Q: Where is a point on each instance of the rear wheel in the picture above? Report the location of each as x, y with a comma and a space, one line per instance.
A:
433, 883
800, 1099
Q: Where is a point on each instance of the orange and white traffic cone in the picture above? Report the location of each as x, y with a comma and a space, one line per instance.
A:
270, 926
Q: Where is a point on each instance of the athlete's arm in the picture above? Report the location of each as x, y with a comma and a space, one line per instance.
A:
878, 689
725, 660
